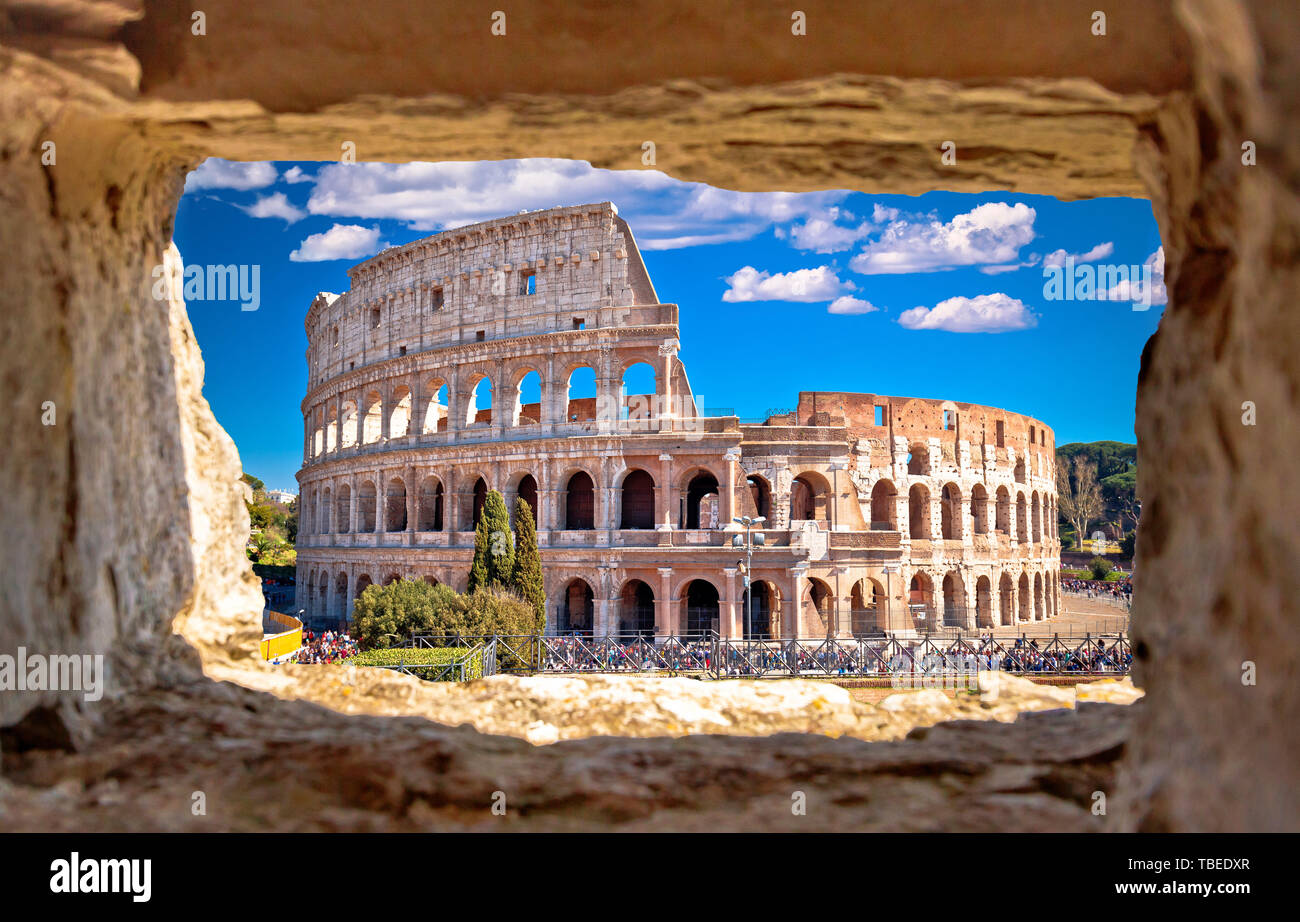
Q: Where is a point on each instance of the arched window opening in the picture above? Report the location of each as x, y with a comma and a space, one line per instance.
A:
580, 503
348, 436
435, 408
763, 622
1037, 513
528, 400
431, 503
808, 495
1026, 603
920, 600
1006, 602
1004, 512
577, 609
527, 491
638, 500
340, 609
580, 403
478, 409
918, 512
866, 605
480, 497
637, 396
366, 507
701, 602
819, 609
979, 509
760, 495
950, 512
918, 460
701, 502
884, 506
1022, 519
326, 512
399, 418
983, 603
343, 510
637, 611
954, 601
372, 426
395, 511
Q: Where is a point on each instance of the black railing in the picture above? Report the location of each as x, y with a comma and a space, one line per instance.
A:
882, 655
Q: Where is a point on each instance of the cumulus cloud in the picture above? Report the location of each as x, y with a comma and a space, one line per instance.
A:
847, 304
295, 174
665, 213
823, 233
992, 313
806, 285
1058, 257
275, 205
230, 174
342, 241
1137, 291
988, 234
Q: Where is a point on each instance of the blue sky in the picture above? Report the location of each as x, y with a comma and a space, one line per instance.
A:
940, 295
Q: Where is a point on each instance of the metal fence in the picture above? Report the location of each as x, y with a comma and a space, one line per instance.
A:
718, 657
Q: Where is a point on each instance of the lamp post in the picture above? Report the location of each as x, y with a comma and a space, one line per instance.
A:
745, 566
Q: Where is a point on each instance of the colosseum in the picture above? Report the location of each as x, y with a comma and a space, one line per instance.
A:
882, 513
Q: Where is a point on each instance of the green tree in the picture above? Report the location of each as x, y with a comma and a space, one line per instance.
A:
386, 615
253, 482
1101, 567
527, 576
494, 546
1128, 545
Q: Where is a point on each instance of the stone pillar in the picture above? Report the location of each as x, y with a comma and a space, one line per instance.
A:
412, 502
728, 497
729, 616
352, 508
664, 618
791, 623
381, 504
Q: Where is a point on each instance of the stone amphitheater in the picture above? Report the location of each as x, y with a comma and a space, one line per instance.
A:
452, 367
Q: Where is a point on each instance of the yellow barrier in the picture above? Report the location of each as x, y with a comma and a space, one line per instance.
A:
274, 646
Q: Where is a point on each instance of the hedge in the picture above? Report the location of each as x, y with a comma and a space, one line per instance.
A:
424, 656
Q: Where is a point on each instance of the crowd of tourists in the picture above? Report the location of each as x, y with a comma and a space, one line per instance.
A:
1114, 590
329, 647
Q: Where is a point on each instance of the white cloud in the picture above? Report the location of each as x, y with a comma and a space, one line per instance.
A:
847, 304
1011, 267
993, 313
1136, 290
295, 174
342, 241
1057, 257
230, 174
664, 213
823, 234
806, 285
275, 205
987, 234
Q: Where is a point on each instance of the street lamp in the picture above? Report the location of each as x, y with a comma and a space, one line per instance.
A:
748, 542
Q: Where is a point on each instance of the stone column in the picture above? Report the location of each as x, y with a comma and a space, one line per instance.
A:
728, 511
791, 624
663, 604
412, 504
730, 610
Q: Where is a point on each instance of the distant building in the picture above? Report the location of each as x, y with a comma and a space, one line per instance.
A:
280, 496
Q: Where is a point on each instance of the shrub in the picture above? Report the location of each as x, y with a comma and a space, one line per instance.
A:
401, 609
1101, 567
1128, 545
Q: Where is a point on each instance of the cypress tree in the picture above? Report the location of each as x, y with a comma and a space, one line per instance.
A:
527, 577
494, 546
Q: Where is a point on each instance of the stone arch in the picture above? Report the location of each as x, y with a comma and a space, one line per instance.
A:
340, 604
638, 385
478, 402
764, 611
343, 509
954, 600
580, 502
326, 511
1026, 610
395, 507
372, 422
526, 397
1022, 519
700, 500
760, 495
348, 435
637, 499
979, 509
950, 510
435, 406
477, 499
367, 506
984, 603
920, 599
580, 394
701, 606
1003, 513
817, 609
577, 608
1037, 513
636, 617
399, 414
433, 499
866, 606
1039, 612
1019, 473
810, 498
884, 506
525, 489
918, 459
918, 511
1006, 600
